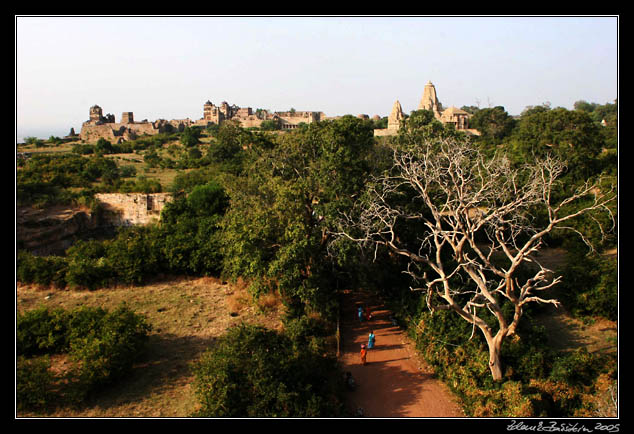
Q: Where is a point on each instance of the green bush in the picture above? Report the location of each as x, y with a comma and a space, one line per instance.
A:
103, 346
579, 368
187, 241
307, 331
134, 254
41, 331
590, 286
189, 230
33, 382
49, 270
107, 348
88, 266
254, 372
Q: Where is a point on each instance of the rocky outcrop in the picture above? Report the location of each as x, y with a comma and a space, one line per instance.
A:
51, 231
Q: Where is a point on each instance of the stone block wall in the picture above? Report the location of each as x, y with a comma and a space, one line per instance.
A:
127, 209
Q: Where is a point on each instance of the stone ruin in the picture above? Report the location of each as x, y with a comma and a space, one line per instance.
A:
129, 209
429, 101
52, 230
100, 126
248, 119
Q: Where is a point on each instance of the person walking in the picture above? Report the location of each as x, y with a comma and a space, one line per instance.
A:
364, 354
360, 313
371, 338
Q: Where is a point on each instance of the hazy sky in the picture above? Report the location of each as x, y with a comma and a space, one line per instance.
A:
168, 67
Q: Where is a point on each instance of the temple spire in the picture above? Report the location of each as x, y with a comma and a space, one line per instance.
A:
429, 101
395, 118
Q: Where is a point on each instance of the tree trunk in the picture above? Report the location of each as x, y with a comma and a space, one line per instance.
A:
495, 364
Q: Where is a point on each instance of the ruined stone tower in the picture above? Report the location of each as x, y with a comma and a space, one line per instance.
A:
127, 118
95, 114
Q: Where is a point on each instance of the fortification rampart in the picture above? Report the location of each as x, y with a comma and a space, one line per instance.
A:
100, 126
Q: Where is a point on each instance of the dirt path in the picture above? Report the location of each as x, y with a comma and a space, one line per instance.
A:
395, 382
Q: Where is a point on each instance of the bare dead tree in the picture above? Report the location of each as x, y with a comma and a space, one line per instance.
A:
462, 198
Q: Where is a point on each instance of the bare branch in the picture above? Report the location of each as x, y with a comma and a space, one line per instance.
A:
458, 196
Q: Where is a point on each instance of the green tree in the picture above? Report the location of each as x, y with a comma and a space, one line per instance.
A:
103, 146
134, 254
228, 147
585, 106
189, 230
270, 125
276, 232
33, 141
607, 116
494, 124
190, 137
569, 134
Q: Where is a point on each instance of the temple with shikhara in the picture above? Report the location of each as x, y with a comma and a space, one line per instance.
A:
453, 115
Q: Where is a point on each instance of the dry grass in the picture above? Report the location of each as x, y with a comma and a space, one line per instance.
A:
187, 316
566, 333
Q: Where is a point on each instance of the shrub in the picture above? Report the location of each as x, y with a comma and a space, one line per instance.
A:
33, 382
102, 344
307, 331
41, 331
254, 372
590, 286
87, 266
107, 347
189, 230
41, 270
133, 255
579, 368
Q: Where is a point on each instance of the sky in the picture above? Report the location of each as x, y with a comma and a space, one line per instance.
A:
167, 67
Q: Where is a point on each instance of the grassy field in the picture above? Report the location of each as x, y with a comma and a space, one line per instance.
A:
164, 176
187, 315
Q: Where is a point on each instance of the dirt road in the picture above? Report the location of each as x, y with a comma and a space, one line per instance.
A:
395, 382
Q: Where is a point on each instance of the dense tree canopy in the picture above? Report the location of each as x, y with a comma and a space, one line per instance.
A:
494, 124
276, 229
571, 135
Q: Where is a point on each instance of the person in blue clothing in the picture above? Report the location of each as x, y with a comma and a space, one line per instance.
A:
371, 339
360, 313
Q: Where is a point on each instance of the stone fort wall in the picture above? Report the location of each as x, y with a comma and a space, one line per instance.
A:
99, 126
127, 209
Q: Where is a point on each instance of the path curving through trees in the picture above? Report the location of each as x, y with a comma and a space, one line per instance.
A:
395, 382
